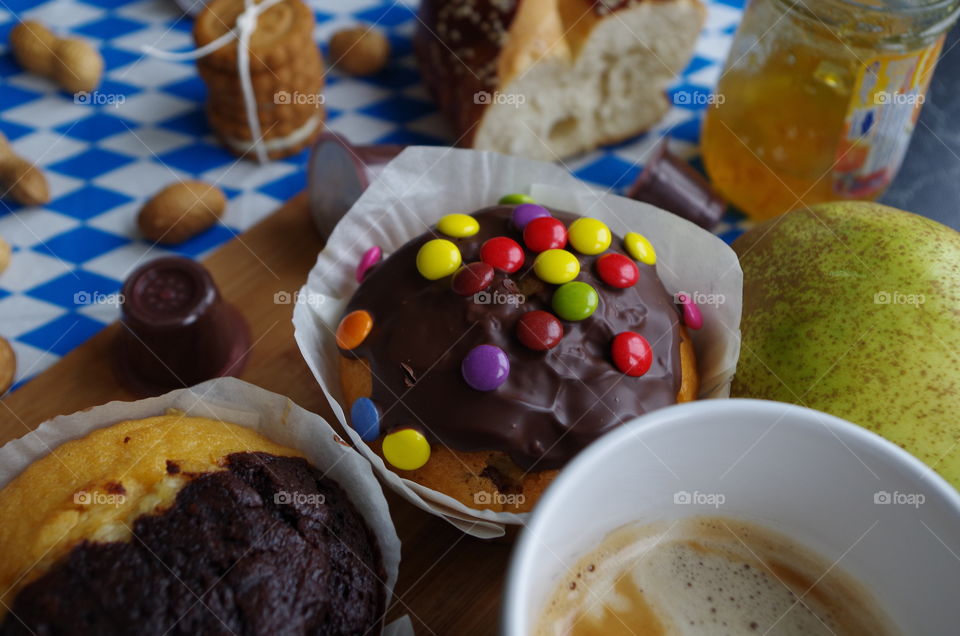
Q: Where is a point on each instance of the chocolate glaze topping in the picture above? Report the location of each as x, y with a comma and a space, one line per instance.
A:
554, 403
256, 566
459, 41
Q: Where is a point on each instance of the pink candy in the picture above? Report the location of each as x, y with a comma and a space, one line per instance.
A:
370, 258
691, 313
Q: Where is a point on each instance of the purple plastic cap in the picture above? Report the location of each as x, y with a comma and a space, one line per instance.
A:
338, 174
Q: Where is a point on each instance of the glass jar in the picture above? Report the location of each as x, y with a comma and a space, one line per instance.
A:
819, 98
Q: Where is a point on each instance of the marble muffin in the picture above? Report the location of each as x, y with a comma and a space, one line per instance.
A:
181, 525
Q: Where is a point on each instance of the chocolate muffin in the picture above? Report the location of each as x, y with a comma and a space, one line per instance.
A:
483, 355
179, 525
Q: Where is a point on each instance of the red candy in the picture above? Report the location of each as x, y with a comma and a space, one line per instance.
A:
617, 270
539, 330
472, 279
502, 253
545, 233
632, 353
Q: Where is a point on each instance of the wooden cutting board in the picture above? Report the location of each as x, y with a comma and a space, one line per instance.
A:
449, 583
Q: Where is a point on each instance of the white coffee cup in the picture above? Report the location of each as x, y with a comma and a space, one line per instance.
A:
847, 494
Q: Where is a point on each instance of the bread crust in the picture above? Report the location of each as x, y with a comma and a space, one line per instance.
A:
467, 49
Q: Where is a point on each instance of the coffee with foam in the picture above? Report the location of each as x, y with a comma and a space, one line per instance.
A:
708, 575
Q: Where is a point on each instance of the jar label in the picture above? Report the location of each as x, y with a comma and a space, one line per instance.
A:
884, 106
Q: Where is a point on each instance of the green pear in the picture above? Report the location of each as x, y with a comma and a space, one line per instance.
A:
853, 308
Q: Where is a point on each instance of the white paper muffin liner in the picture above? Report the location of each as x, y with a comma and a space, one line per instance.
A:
424, 183
232, 400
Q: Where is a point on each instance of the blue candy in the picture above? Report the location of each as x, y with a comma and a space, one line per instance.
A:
365, 419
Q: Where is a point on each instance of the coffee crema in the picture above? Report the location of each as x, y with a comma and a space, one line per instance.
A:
708, 575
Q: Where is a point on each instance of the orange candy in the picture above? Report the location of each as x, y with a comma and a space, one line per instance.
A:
354, 329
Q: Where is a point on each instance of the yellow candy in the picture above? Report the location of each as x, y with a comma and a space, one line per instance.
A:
589, 236
639, 248
556, 266
458, 225
406, 449
438, 258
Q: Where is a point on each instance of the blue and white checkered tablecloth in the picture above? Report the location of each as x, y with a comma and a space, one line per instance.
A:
104, 159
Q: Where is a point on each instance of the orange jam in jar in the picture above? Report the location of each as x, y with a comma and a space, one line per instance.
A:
819, 98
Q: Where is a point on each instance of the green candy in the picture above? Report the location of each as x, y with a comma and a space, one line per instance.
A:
515, 199
575, 301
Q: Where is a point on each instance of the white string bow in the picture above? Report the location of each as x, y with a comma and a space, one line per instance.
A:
242, 32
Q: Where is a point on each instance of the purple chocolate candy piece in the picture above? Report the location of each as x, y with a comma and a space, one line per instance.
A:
669, 182
486, 367
177, 330
526, 212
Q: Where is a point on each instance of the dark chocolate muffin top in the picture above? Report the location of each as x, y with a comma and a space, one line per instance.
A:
268, 546
553, 402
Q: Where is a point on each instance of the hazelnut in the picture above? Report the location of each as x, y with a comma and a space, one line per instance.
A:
180, 211
359, 51
4, 254
8, 366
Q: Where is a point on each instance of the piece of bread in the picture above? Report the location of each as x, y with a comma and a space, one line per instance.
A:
126, 530
547, 79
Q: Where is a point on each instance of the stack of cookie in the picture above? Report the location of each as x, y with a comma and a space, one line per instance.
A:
286, 71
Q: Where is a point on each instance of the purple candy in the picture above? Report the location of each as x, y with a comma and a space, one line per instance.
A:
486, 367
526, 212
370, 258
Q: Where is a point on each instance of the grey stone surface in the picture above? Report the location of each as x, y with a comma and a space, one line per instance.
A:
929, 181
